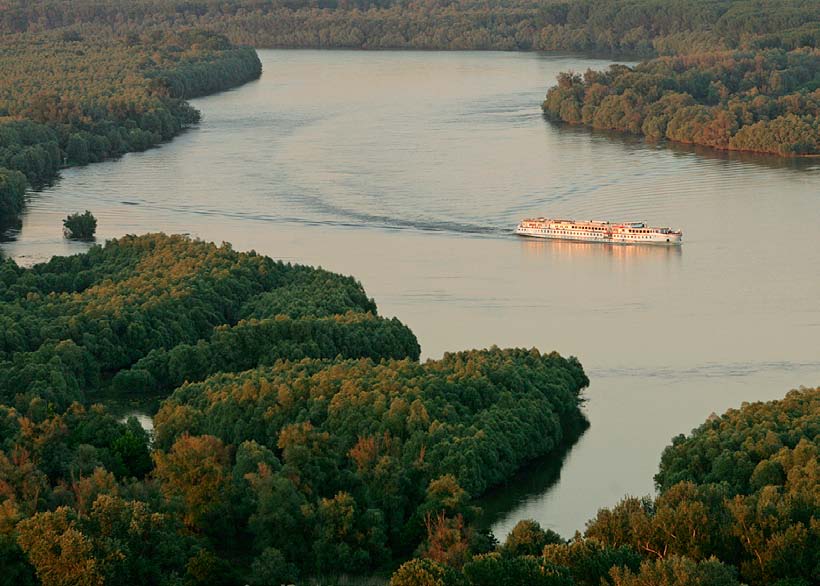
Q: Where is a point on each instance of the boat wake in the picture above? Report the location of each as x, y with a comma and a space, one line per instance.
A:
715, 370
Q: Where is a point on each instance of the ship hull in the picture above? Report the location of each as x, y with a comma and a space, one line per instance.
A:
655, 240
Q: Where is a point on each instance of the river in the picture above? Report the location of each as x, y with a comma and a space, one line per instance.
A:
410, 169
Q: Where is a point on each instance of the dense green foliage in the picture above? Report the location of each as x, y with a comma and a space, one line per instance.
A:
389, 441
12, 194
743, 448
80, 226
738, 503
765, 101
63, 463
644, 27
80, 96
256, 343
315, 443
70, 324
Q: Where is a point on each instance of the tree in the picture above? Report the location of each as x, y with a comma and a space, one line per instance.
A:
60, 553
448, 540
136, 545
676, 571
425, 572
589, 561
80, 226
528, 538
495, 568
196, 471
76, 150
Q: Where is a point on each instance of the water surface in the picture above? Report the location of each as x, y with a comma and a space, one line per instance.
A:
409, 171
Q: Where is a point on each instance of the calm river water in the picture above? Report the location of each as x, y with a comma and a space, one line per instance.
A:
409, 170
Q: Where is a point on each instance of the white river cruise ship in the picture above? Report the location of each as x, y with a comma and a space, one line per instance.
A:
598, 231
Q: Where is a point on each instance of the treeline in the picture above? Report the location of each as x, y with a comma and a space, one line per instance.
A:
81, 95
642, 27
314, 443
262, 343
766, 101
738, 504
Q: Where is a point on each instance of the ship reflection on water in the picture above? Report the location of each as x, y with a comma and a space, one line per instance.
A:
575, 248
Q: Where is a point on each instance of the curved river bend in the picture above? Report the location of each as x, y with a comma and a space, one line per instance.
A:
409, 170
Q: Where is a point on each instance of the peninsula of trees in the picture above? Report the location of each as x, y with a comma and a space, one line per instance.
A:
81, 95
300, 436
765, 101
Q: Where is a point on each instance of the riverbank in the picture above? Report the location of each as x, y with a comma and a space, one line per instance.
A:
136, 98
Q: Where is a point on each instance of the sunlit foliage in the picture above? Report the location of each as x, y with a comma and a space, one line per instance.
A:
78, 96
357, 443
315, 443
738, 505
742, 488
765, 101
172, 305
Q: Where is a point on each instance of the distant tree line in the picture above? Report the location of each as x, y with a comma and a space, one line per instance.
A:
641, 27
738, 504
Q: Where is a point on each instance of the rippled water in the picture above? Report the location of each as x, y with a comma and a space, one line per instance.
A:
409, 170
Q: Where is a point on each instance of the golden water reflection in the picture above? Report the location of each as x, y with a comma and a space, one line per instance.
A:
574, 248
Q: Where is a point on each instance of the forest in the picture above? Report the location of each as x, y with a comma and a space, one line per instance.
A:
637, 27
78, 96
766, 101
299, 434
300, 438
738, 503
